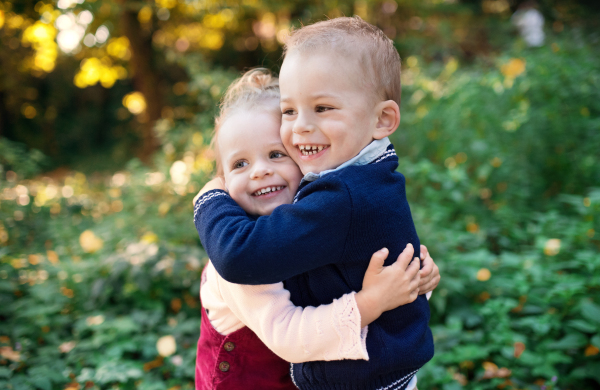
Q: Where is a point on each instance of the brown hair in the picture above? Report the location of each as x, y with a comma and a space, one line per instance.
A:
355, 38
256, 89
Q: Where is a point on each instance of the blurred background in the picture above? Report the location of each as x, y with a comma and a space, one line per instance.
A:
106, 114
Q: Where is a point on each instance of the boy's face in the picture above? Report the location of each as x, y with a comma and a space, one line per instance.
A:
328, 117
258, 171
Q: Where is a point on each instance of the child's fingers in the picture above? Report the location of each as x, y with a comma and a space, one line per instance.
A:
377, 260
412, 271
427, 266
424, 252
405, 257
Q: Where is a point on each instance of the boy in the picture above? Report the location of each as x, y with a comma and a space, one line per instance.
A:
340, 95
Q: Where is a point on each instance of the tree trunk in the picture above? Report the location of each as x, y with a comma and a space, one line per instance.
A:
145, 77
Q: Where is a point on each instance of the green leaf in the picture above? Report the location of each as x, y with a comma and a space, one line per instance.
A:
5, 372
572, 340
41, 383
590, 311
582, 326
590, 370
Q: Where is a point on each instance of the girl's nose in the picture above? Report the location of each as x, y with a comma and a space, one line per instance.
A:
260, 170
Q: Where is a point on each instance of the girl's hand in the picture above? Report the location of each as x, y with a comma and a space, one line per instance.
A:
386, 288
215, 184
430, 273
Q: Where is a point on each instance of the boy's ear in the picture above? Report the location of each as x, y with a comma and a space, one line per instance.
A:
388, 119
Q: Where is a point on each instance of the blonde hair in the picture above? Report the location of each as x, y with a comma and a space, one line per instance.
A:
354, 37
256, 89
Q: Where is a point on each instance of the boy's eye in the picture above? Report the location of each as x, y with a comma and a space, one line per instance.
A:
276, 154
288, 111
322, 108
239, 164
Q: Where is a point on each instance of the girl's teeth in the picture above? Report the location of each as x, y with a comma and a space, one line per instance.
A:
267, 190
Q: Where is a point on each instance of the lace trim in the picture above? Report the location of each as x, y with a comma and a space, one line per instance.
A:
205, 198
346, 320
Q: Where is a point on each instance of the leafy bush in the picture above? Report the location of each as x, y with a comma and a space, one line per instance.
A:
501, 166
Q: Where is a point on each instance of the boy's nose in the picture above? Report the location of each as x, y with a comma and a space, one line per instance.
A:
303, 125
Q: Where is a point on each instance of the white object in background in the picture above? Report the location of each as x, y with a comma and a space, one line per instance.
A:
530, 23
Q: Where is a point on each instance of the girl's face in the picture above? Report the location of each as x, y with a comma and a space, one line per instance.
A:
258, 171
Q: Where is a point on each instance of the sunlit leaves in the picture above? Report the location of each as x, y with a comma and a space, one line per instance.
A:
41, 37
135, 102
119, 48
94, 70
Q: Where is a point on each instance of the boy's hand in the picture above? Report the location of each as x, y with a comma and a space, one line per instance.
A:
386, 288
215, 184
430, 273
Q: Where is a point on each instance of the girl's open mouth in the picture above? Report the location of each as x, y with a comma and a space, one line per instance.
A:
268, 190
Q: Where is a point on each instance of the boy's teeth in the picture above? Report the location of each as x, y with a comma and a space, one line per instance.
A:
308, 150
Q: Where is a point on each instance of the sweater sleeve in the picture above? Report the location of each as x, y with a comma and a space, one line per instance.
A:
292, 240
296, 334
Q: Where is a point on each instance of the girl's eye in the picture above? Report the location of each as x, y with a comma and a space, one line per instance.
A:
288, 111
277, 155
239, 164
322, 108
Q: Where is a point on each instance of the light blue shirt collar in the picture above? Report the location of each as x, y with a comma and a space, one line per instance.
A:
368, 154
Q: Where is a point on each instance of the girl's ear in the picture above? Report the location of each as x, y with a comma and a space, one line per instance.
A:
388, 119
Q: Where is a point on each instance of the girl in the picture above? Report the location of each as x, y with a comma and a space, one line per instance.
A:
249, 333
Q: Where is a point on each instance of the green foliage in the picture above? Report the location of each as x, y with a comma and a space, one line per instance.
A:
94, 270
15, 156
501, 165
502, 174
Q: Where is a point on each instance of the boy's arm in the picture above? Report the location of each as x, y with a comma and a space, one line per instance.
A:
296, 334
328, 332
292, 240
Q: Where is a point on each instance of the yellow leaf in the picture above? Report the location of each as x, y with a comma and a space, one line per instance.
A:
519, 349
591, 350
166, 346
552, 247
90, 242
513, 68
10, 354
149, 238
483, 274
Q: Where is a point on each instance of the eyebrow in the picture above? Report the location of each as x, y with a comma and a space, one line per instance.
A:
233, 155
285, 99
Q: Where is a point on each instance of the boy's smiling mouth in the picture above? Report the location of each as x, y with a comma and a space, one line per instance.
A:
309, 150
267, 190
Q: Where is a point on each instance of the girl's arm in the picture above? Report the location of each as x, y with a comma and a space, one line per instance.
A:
329, 332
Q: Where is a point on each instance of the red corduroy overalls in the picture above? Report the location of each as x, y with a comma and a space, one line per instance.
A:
237, 361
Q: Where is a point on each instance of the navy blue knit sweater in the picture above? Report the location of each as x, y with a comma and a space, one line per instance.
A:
321, 247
